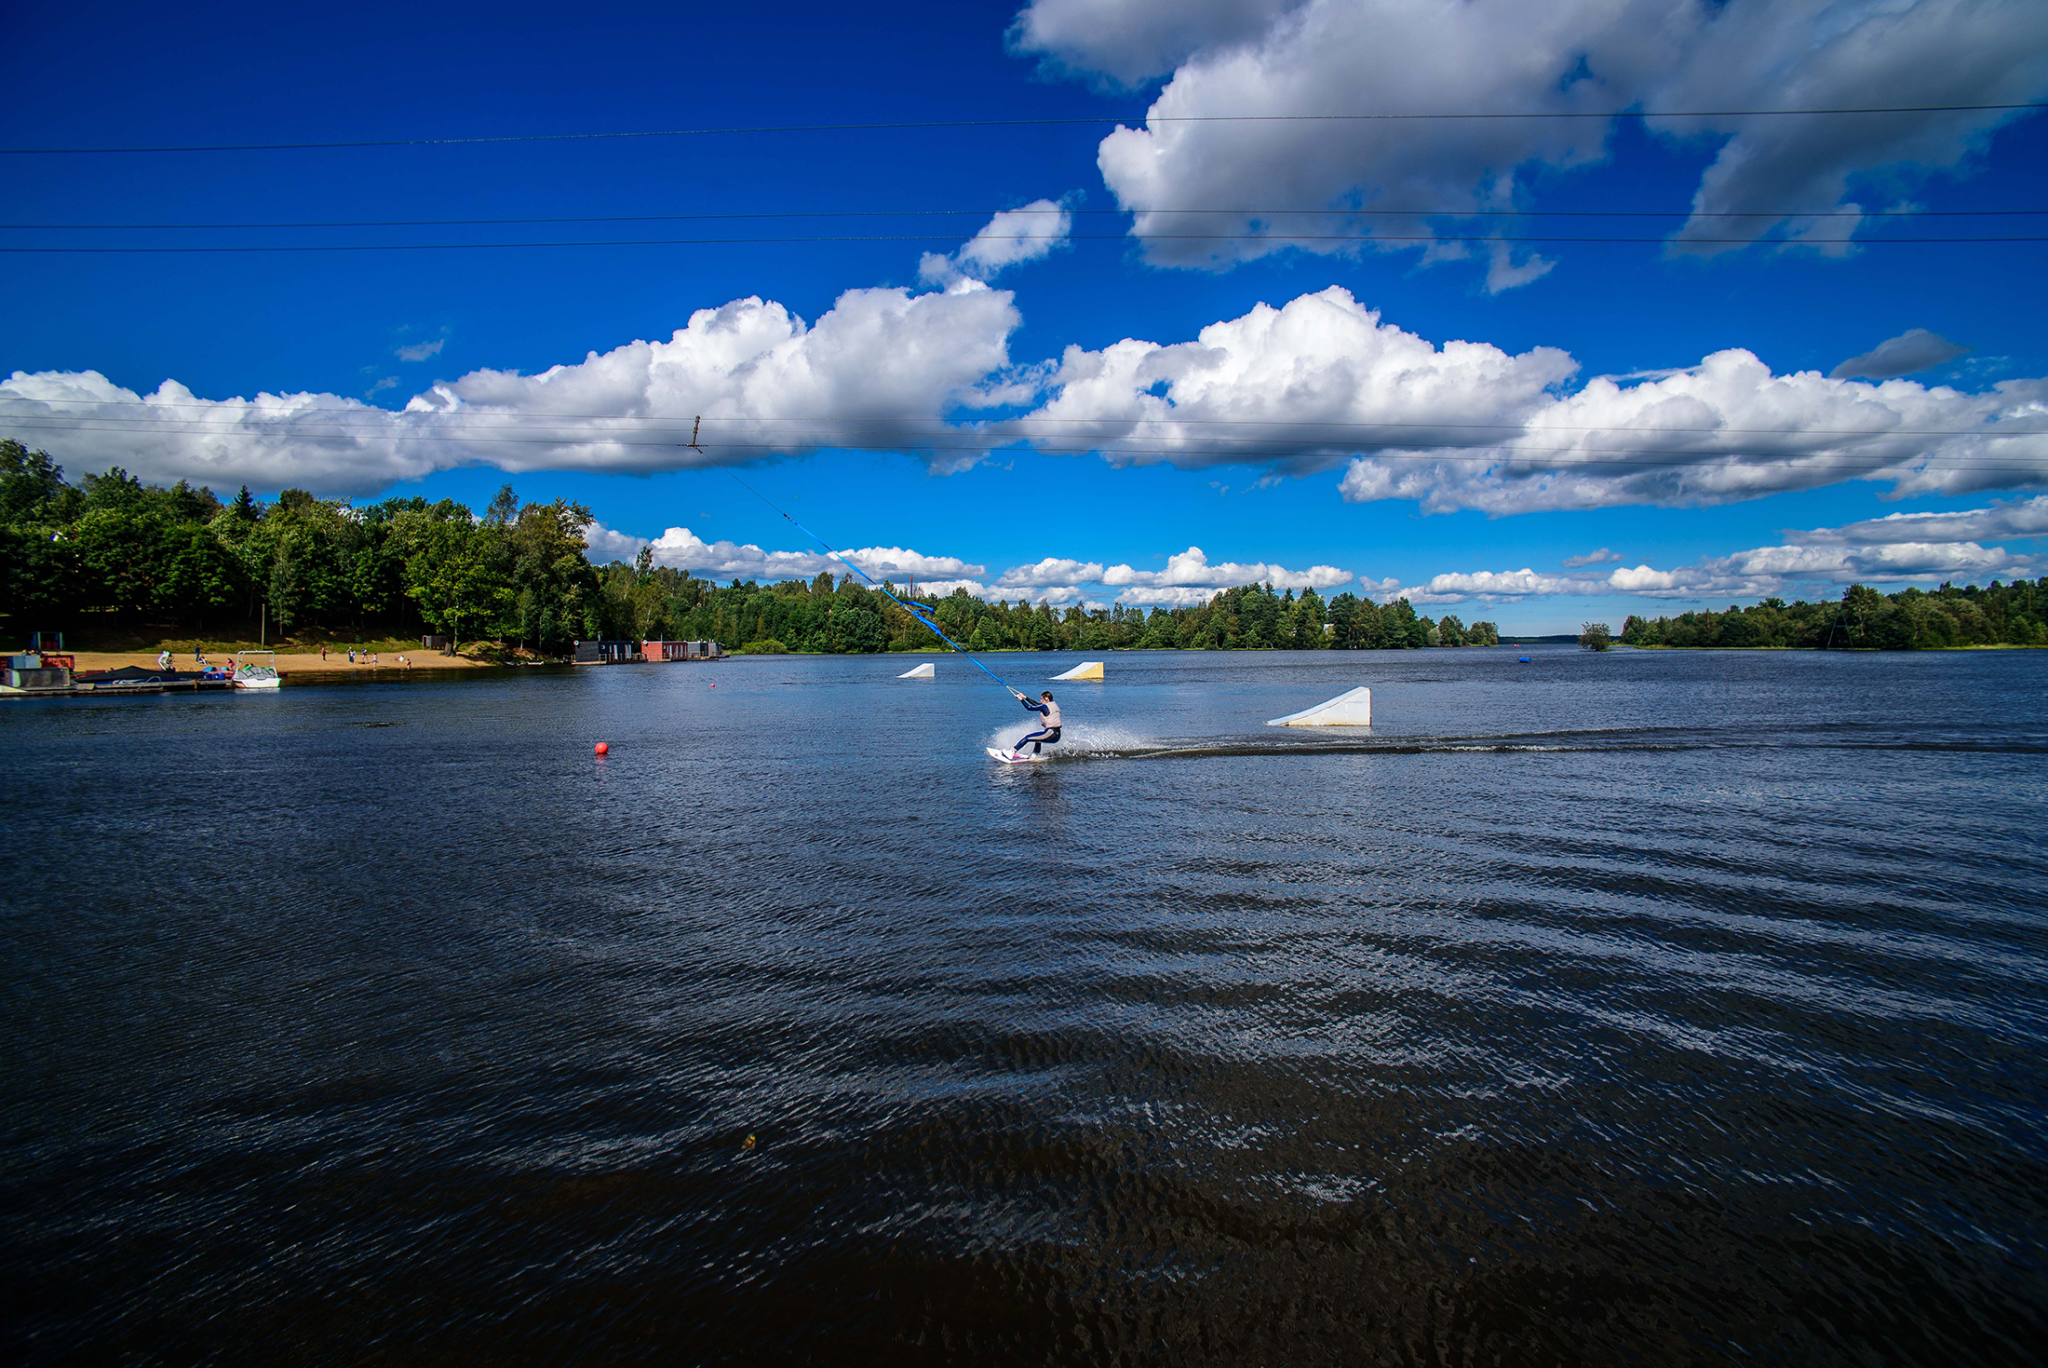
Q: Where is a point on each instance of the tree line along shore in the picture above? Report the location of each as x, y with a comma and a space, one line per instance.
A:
112, 559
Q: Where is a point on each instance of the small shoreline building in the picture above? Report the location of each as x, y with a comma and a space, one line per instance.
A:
681, 650
608, 651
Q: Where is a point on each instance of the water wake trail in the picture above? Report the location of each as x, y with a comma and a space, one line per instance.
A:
1093, 742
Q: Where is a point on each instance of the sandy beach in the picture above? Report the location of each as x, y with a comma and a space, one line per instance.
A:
305, 662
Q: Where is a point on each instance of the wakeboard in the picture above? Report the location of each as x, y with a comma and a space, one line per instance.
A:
1013, 758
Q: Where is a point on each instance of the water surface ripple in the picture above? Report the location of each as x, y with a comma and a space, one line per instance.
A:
1648, 1007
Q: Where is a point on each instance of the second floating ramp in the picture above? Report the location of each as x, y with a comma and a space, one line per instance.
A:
924, 671
1087, 669
1353, 709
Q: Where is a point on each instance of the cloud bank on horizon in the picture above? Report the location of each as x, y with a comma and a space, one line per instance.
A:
1287, 61
1189, 577
1892, 549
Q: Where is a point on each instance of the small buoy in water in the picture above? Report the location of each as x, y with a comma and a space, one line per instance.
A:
750, 1143
603, 749
1523, 659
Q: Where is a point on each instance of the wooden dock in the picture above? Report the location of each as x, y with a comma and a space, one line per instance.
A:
30, 676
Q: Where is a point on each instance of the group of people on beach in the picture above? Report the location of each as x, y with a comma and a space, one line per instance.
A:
164, 659
166, 662
363, 657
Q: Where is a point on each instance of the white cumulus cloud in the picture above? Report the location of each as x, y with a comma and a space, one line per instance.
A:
1281, 60
1053, 570
764, 380
1643, 580
1501, 584
1187, 578
1012, 236
1287, 387
1325, 381
603, 545
1191, 568
1131, 41
946, 588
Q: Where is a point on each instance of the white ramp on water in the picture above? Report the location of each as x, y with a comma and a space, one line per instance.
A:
925, 671
1352, 709
1087, 669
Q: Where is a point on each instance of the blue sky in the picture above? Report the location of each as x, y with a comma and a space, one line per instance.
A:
1714, 484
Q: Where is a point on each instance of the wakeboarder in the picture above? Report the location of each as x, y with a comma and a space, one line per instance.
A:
1048, 734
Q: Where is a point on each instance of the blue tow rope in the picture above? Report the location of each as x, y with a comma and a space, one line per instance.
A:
916, 610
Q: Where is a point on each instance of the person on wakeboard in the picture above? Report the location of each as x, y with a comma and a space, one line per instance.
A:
1049, 733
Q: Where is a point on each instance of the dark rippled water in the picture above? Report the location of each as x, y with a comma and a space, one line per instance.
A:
1649, 1007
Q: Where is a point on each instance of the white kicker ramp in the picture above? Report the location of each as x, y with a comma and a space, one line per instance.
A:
1352, 709
1087, 669
925, 671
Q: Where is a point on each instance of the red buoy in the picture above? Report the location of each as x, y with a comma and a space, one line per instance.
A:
603, 749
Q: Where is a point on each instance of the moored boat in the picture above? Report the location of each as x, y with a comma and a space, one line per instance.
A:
256, 670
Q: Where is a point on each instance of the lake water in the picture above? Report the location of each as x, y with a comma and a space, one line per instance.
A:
1659, 1007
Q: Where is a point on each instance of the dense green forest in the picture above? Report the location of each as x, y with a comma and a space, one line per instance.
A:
112, 552
2002, 615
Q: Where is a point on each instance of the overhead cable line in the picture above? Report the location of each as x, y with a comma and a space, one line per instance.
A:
1335, 212
377, 416
1083, 121
247, 248
917, 610
1572, 458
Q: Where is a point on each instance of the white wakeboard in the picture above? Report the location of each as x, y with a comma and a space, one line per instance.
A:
1013, 758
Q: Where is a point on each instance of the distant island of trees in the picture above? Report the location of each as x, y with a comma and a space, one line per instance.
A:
112, 553
1910, 620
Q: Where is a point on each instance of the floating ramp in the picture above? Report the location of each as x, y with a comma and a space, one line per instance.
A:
1352, 709
1087, 669
925, 671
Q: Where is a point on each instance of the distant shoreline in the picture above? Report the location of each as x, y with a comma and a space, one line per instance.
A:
1827, 650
